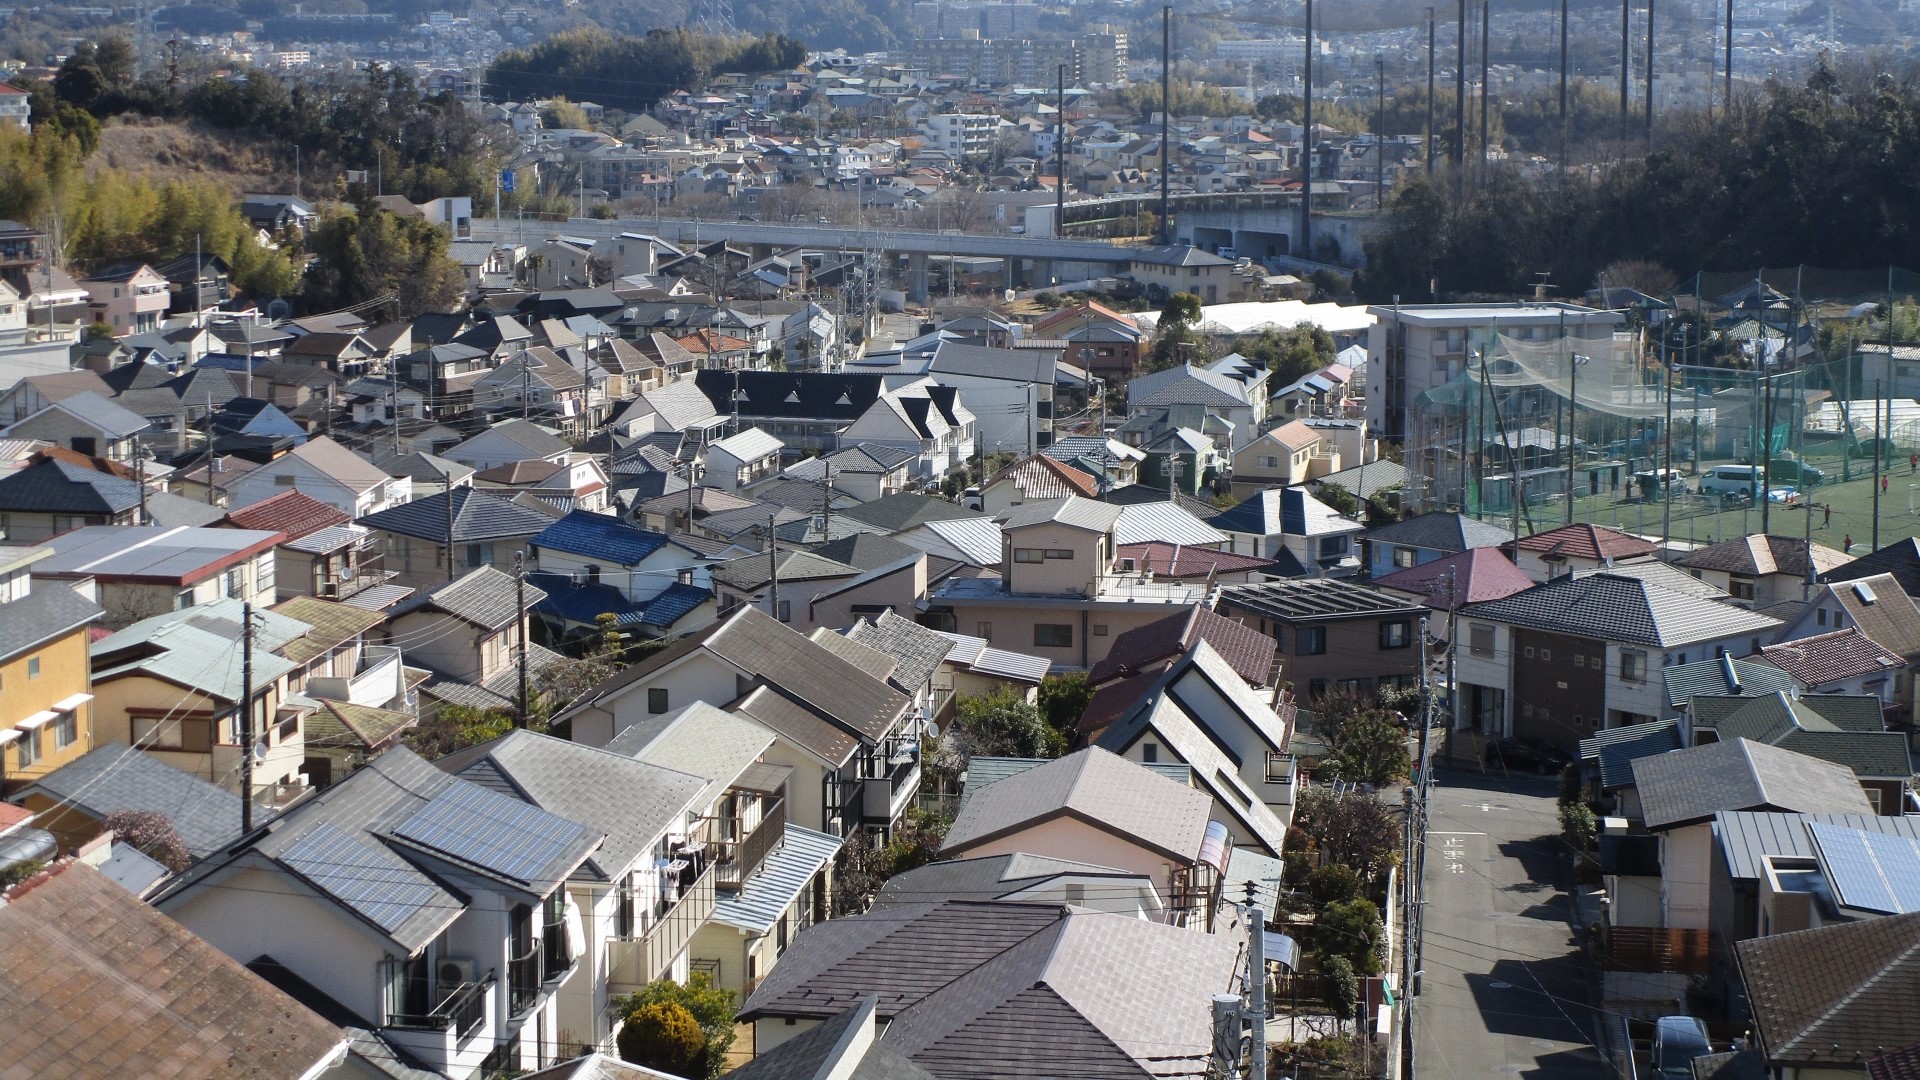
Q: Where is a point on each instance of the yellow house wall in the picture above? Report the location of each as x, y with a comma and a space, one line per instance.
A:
63, 673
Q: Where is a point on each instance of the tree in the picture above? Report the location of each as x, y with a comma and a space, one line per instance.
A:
1062, 699
1367, 742
1177, 338
1351, 930
663, 1035
1352, 830
361, 255
870, 865
150, 833
561, 113
456, 727
707, 1008
1004, 724
1331, 884
1289, 354
1343, 987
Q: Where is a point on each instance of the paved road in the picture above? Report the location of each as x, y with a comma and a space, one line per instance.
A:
1504, 982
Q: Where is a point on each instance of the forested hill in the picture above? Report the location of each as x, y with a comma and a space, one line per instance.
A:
631, 73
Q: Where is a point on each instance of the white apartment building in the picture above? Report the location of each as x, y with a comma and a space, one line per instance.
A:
963, 135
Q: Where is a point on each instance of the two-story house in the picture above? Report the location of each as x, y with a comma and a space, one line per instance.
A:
469, 633
1577, 655
139, 572
323, 554
1059, 594
1761, 571
130, 297
434, 908
325, 470
46, 711
1877, 607
86, 423
1242, 404
1426, 538
1303, 535
506, 443
741, 459
856, 739
1333, 636
1292, 453
437, 538
1570, 549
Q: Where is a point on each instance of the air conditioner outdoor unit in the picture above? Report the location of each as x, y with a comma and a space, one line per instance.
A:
454, 969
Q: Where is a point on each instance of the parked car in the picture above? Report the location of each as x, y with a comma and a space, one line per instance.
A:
1677, 1040
1795, 472
1517, 753
1732, 480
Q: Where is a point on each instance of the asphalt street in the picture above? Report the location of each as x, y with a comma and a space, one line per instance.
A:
1505, 986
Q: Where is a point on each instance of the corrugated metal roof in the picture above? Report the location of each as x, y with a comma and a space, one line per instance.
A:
1746, 838
788, 869
979, 540
1144, 523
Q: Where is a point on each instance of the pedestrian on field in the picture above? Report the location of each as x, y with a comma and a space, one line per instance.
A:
1883, 485
1847, 544
1826, 516
1913, 464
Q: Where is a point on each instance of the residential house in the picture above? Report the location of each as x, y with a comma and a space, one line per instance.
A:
995, 967
323, 552
1332, 636
55, 495
1681, 792
1179, 562
1332, 391
1827, 1001
200, 282
130, 297
273, 214
504, 444
1242, 404
1237, 741
1465, 577
1289, 454
1036, 477
86, 423
866, 471
919, 656
1839, 662
1580, 546
854, 738
1113, 463
469, 633
1010, 391
1100, 340
1026, 879
1762, 571
459, 961
1140, 656
577, 482
1163, 271
754, 580
1564, 660
1303, 535
742, 459
1425, 538
1095, 806
1901, 558
1846, 729
140, 572
46, 712
1059, 592
1881, 610
329, 472
73, 927
1719, 676
35, 392
73, 801
539, 382
433, 539
900, 585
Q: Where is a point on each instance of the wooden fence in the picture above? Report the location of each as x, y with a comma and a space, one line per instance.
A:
1657, 948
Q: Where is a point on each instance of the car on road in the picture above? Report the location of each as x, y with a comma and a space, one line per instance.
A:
1513, 753
1677, 1040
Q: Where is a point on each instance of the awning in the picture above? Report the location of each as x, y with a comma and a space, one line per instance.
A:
1215, 847
8, 736
1281, 950
38, 720
764, 778
70, 703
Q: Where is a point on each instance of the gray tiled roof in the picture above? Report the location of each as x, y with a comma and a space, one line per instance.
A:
907, 509
1615, 750
1834, 995
1723, 677
61, 487
815, 1053
1072, 511
1612, 607
916, 650
115, 777
47, 612
632, 802
476, 516
990, 877
1097, 788
1739, 774
484, 596
1440, 531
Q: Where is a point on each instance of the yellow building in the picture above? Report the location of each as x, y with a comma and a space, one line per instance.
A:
46, 713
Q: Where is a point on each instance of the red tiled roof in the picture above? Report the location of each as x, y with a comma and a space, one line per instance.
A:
706, 341
1248, 651
1586, 541
1830, 657
1115, 700
292, 512
11, 815
1478, 574
1177, 561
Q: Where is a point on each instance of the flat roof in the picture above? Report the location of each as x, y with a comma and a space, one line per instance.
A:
178, 555
1518, 311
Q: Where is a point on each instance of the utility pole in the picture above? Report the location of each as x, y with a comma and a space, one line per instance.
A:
393, 411
1060, 153
773, 569
1879, 445
447, 473
1666, 478
213, 439
1564, 134
1166, 124
1460, 96
1726, 106
1649, 74
1416, 844
1257, 984
1305, 248
1432, 38
526, 385
140, 480
245, 735
1380, 133
520, 618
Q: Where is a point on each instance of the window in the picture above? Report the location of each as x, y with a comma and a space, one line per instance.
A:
1059, 553
983, 630
66, 729
1053, 635
479, 555
656, 700
1396, 634
1820, 616
162, 733
233, 583
1099, 629
1740, 588
29, 744
1029, 555
1150, 752
1480, 639
1546, 654
786, 611
1310, 641
1404, 557
1316, 688
1579, 661
1332, 547
1633, 666
33, 667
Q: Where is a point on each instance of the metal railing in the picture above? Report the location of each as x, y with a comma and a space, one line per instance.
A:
636, 961
739, 860
461, 1010
524, 984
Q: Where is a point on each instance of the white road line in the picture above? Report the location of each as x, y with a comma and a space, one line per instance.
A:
1452, 832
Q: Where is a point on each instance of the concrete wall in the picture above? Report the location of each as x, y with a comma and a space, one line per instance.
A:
1686, 855
1078, 574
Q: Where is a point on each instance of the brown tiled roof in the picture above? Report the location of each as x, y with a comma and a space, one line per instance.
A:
1249, 651
1759, 554
1186, 561
1830, 657
1901, 1064
1478, 574
1586, 541
99, 984
1836, 995
294, 513
1041, 477
1117, 699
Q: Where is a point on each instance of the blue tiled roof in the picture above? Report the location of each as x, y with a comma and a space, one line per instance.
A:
674, 604
476, 516
602, 535
585, 603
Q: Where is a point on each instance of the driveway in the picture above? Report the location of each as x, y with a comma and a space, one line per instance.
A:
1505, 988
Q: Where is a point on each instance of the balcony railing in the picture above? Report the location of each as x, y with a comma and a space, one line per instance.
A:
885, 796
460, 1011
524, 984
635, 961
739, 860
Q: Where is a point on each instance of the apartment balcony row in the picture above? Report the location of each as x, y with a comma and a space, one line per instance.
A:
884, 797
633, 962
736, 861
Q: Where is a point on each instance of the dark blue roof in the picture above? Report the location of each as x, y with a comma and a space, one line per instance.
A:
476, 516
61, 487
600, 535
674, 604
585, 603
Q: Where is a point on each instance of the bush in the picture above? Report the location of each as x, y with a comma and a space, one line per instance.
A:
1327, 885
1351, 830
1578, 826
663, 1036
1062, 699
1343, 986
1005, 725
1350, 930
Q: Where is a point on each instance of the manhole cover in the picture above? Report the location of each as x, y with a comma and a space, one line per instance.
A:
1501, 985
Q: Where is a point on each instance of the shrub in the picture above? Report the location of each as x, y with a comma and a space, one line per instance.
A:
1343, 987
1578, 826
1332, 885
650, 1014
664, 1036
1350, 930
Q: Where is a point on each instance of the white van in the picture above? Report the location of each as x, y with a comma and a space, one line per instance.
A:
1732, 480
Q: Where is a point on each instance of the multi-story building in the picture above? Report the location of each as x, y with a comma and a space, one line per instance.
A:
46, 712
963, 135
138, 571
1333, 636
130, 297
16, 109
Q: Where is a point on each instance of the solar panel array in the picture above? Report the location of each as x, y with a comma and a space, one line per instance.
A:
368, 878
482, 828
1871, 871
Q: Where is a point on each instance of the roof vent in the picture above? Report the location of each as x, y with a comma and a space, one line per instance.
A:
1865, 592
1731, 674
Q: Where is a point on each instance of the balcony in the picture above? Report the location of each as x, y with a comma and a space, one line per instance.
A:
447, 1034
739, 860
524, 985
885, 797
633, 962
381, 679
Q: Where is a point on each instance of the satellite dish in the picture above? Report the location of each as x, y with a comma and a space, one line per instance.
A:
933, 730
260, 750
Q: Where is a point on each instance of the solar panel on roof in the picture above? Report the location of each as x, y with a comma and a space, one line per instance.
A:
1870, 871
479, 827
369, 879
